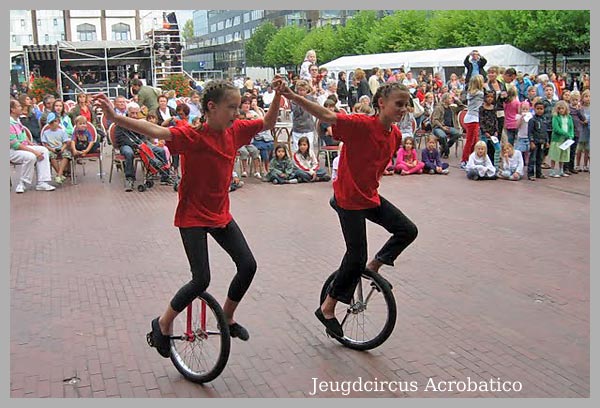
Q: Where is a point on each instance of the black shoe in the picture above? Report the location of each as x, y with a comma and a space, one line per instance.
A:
333, 326
156, 339
239, 331
385, 281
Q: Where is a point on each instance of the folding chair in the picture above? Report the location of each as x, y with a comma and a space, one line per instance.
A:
116, 156
71, 161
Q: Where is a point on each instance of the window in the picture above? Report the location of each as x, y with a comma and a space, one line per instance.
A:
39, 22
213, 28
154, 21
30, 37
246, 34
46, 38
86, 32
256, 14
246, 17
22, 23
236, 36
14, 38
55, 21
228, 23
120, 31
220, 25
236, 20
228, 38
62, 36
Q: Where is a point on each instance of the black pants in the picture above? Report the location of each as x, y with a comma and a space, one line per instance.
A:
231, 239
354, 228
536, 157
570, 165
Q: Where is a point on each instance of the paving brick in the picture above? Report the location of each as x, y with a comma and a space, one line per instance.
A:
515, 313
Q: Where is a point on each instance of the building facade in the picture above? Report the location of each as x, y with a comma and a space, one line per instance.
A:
220, 35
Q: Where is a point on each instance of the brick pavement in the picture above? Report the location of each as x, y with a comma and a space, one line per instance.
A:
495, 286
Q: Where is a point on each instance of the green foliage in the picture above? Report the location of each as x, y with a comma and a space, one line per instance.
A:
42, 86
322, 40
188, 31
406, 30
353, 37
255, 46
552, 31
178, 82
280, 50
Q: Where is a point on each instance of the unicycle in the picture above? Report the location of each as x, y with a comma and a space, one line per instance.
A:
200, 343
370, 317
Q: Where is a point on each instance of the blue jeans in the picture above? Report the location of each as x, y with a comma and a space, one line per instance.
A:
441, 134
265, 148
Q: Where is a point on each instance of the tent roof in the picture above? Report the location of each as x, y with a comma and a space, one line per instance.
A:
503, 55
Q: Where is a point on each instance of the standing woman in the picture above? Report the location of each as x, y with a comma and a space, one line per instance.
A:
362, 85
499, 89
342, 88
83, 108
369, 143
29, 118
208, 155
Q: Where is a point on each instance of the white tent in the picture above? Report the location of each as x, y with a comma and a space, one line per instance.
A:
502, 55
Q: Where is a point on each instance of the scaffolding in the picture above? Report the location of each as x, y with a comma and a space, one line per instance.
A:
166, 54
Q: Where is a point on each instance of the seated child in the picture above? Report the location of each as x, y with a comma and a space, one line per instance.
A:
512, 163
432, 161
407, 161
479, 166
83, 142
307, 165
281, 168
56, 140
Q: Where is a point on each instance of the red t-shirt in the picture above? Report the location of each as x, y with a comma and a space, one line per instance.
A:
207, 163
367, 150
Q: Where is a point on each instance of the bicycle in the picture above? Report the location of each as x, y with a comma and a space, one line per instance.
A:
370, 317
201, 350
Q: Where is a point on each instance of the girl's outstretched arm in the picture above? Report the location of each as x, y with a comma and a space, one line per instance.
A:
143, 127
313, 108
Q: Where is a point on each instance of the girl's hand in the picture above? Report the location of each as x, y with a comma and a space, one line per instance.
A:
531, 146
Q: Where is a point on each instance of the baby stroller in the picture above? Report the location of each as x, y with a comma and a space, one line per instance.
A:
154, 166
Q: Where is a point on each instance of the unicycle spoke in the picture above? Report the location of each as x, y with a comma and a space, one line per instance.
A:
200, 353
370, 317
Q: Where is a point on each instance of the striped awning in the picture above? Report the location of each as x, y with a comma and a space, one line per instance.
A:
40, 52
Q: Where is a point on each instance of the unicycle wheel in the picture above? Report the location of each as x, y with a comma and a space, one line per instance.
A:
201, 343
370, 317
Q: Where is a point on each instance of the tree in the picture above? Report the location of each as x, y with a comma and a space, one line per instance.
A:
280, 50
459, 28
353, 37
255, 46
322, 40
402, 31
188, 31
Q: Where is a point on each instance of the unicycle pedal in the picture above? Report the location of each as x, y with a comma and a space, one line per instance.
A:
149, 339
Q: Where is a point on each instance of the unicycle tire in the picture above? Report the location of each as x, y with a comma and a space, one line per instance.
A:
367, 324
200, 355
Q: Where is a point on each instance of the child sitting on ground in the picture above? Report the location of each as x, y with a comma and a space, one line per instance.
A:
432, 161
407, 161
307, 165
512, 163
479, 166
281, 168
